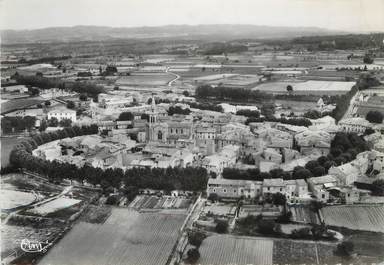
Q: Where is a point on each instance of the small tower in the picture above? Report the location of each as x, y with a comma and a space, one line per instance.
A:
153, 114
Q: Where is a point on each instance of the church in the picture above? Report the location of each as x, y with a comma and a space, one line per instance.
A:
168, 129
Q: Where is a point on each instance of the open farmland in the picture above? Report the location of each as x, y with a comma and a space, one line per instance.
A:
303, 252
307, 87
356, 217
226, 249
155, 202
127, 237
150, 79
12, 235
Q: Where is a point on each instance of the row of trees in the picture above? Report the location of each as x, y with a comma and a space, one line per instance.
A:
374, 116
292, 121
344, 148
228, 93
85, 88
365, 81
178, 110
17, 124
249, 113
206, 106
193, 179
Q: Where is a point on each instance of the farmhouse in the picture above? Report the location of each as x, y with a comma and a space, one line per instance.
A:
354, 125
271, 186
61, 113
319, 185
227, 188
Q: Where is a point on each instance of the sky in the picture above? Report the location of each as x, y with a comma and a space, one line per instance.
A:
346, 15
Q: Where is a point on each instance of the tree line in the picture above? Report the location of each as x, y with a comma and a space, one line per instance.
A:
87, 88
365, 81
229, 93
192, 179
17, 124
292, 121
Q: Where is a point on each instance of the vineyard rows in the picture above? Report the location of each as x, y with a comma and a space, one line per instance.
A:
127, 237
226, 249
357, 217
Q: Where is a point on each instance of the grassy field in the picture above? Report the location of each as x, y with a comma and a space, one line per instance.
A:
150, 79
226, 249
356, 217
126, 237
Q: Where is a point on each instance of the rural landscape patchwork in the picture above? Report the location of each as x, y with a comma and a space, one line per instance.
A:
211, 144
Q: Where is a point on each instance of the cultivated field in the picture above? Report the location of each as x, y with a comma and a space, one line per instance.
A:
155, 202
11, 236
303, 214
356, 217
150, 79
301, 252
307, 86
226, 249
127, 237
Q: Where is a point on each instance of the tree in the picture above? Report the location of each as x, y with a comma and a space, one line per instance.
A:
195, 238
302, 174
369, 131
53, 122
193, 255
43, 126
319, 171
178, 110
345, 249
126, 116
111, 200
144, 116
47, 103
83, 97
312, 114
315, 206
285, 217
213, 197
378, 187
367, 59
279, 199
221, 227
186, 93
70, 104
322, 160
335, 152
65, 123
301, 233
374, 116
268, 227
311, 165
289, 89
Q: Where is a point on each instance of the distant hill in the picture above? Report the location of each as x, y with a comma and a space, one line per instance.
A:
204, 32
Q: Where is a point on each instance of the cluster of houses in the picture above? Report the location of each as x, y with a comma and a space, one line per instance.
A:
338, 186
